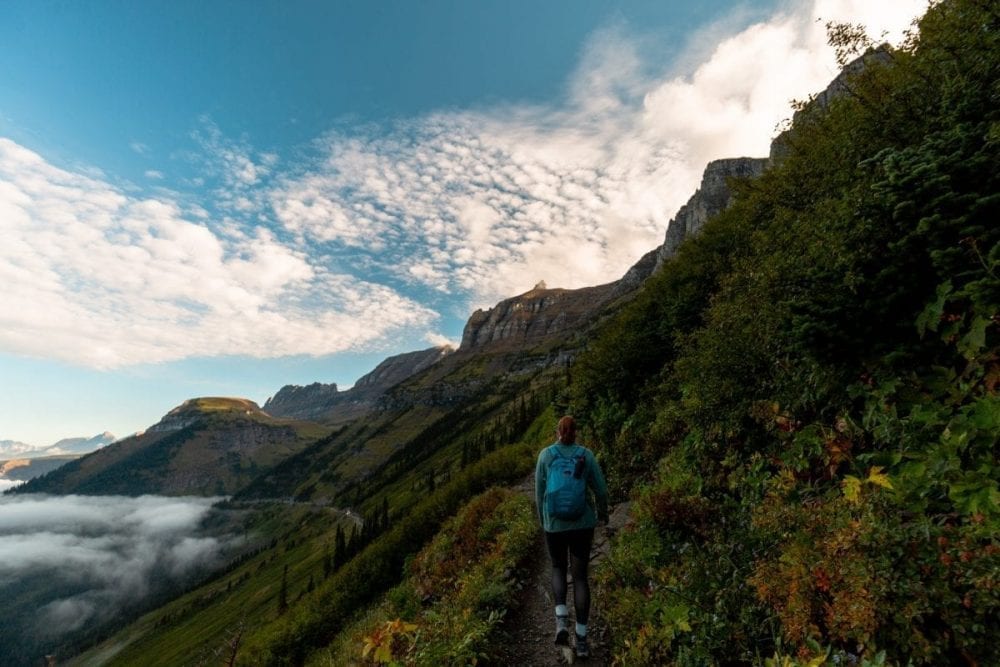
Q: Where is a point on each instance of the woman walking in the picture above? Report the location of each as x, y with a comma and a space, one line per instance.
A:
571, 495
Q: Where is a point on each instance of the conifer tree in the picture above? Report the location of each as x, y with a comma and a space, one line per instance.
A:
283, 593
340, 548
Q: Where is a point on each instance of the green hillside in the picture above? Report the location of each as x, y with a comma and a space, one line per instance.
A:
807, 393
801, 404
207, 446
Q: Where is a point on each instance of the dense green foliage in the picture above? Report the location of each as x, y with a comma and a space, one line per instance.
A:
455, 592
816, 374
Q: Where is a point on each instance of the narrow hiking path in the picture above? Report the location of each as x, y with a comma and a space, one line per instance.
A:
528, 631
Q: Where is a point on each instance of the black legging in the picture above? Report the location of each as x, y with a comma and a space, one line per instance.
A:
577, 544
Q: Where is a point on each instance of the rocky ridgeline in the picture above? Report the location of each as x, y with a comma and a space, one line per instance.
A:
540, 314
712, 197
325, 402
533, 316
395, 369
297, 402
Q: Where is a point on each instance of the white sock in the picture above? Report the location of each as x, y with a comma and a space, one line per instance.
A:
581, 630
561, 610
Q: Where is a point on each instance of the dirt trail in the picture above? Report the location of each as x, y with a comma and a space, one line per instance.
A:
528, 631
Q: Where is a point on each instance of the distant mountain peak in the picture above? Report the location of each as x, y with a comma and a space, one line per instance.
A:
66, 446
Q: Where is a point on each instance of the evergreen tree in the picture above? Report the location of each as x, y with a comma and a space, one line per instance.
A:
340, 548
283, 592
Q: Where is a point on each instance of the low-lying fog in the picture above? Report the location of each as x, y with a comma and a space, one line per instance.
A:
93, 555
8, 484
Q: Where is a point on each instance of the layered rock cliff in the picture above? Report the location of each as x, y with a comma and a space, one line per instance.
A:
297, 402
712, 197
323, 402
541, 313
533, 316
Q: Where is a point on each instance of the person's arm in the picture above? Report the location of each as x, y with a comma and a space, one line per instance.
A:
540, 486
600, 487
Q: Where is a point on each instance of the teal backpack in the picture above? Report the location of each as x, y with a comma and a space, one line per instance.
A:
566, 485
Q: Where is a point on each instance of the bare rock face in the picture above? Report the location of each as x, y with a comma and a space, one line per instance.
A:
325, 402
838, 87
395, 369
711, 198
637, 275
533, 316
296, 402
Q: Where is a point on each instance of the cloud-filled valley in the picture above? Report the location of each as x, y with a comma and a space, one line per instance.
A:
92, 555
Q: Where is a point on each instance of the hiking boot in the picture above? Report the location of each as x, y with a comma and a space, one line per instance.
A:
562, 630
582, 650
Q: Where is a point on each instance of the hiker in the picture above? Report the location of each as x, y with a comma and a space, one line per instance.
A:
564, 474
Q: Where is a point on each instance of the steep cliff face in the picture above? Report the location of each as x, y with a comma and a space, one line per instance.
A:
297, 402
541, 313
533, 316
395, 369
324, 402
711, 198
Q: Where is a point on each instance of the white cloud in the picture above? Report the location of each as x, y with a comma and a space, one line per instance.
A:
486, 203
94, 276
439, 340
6, 484
154, 175
475, 204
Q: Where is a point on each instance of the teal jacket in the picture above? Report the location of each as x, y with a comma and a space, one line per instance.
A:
597, 500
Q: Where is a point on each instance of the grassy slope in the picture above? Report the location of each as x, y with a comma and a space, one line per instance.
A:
226, 443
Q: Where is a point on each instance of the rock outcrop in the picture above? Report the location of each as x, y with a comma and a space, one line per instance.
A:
297, 402
533, 316
711, 198
542, 313
323, 402
194, 410
395, 369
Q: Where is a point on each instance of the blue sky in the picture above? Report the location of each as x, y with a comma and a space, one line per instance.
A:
220, 198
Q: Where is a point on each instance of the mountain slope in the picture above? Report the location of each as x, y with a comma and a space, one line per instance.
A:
207, 446
323, 402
